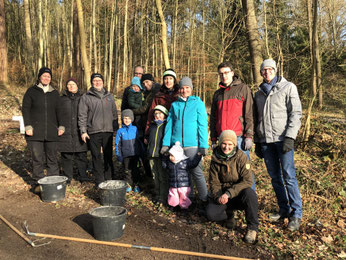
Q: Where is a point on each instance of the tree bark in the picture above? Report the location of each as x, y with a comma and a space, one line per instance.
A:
29, 48
40, 35
125, 56
317, 59
111, 45
3, 45
163, 34
83, 43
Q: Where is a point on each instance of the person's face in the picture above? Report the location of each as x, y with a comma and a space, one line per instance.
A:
45, 79
171, 158
226, 75
135, 88
227, 147
158, 115
72, 87
148, 84
127, 121
138, 72
169, 82
185, 91
268, 73
97, 83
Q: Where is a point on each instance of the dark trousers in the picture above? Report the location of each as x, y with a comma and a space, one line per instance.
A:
246, 200
131, 170
104, 141
43, 153
80, 160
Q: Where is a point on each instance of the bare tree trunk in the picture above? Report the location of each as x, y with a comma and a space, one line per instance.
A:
93, 22
105, 59
192, 29
204, 53
115, 73
266, 30
29, 48
313, 71
111, 45
125, 56
317, 59
163, 34
83, 43
175, 22
253, 40
3, 45
40, 34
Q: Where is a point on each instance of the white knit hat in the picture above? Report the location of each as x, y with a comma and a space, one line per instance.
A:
178, 152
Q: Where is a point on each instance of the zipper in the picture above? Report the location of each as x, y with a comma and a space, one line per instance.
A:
45, 114
157, 131
182, 125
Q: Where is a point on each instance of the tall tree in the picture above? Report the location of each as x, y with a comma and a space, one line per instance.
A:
163, 34
28, 41
3, 45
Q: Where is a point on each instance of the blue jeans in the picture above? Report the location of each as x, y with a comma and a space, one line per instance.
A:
239, 142
280, 167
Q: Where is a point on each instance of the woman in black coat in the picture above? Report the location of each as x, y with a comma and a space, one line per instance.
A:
71, 145
43, 124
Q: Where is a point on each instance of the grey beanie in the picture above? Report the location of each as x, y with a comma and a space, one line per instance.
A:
186, 81
127, 113
268, 63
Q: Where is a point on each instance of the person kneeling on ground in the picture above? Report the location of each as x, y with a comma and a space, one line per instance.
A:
230, 181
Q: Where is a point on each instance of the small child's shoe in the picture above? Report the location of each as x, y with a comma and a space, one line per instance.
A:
128, 189
136, 189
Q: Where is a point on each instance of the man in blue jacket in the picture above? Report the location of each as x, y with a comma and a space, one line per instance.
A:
278, 113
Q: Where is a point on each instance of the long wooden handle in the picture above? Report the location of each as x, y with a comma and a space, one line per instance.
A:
17, 231
158, 249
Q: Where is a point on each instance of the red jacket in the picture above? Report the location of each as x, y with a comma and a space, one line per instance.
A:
232, 109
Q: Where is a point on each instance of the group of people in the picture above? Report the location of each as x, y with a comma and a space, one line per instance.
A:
165, 129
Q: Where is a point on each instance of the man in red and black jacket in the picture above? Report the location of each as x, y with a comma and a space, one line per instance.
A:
232, 108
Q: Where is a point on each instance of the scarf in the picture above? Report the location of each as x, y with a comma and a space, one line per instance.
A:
267, 87
221, 155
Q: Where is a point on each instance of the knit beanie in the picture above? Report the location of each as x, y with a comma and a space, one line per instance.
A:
170, 72
147, 77
186, 81
136, 81
71, 79
44, 70
268, 63
178, 152
127, 113
96, 75
162, 109
228, 135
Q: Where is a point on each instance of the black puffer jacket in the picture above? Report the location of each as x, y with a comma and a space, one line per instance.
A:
156, 132
71, 140
179, 172
43, 113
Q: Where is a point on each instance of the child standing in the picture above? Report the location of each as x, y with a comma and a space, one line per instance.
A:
127, 148
156, 132
178, 166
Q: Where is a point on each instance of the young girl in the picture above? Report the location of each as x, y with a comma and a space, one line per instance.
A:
179, 178
127, 148
156, 131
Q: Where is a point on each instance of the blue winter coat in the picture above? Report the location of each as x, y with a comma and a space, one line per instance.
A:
126, 142
187, 123
178, 173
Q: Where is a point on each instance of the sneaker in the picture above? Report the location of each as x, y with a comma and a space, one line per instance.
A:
250, 236
294, 224
136, 189
128, 189
277, 217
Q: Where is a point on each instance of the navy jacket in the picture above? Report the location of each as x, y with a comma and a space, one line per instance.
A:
156, 132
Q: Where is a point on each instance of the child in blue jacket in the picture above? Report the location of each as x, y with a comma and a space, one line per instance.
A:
127, 149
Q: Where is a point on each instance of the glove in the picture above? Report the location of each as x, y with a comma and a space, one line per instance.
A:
164, 149
203, 151
288, 144
258, 150
213, 145
247, 144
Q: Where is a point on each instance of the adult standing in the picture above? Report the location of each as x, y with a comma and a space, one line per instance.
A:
43, 120
98, 120
71, 145
168, 93
137, 72
187, 123
278, 113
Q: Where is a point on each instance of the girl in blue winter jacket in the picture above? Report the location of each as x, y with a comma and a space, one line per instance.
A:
128, 149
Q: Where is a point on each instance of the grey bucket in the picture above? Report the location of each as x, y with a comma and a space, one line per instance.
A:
112, 193
108, 222
53, 188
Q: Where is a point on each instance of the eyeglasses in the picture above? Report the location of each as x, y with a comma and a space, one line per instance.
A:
138, 73
268, 69
224, 73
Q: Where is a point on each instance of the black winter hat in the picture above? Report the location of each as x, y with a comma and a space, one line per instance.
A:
147, 77
96, 75
44, 70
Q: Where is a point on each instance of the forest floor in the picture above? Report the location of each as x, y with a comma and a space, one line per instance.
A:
320, 165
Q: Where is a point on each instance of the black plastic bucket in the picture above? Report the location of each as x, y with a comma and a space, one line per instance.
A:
108, 222
112, 193
53, 188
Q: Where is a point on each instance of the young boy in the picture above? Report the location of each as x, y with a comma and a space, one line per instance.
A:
127, 148
178, 166
156, 132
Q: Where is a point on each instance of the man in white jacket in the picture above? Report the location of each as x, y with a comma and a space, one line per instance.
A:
277, 114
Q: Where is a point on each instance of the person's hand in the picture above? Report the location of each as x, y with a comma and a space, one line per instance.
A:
247, 144
213, 145
85, 136
223, 199
288, 144
145, 141
202, 151
60, 132
258, 150
29, 132
164, 149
